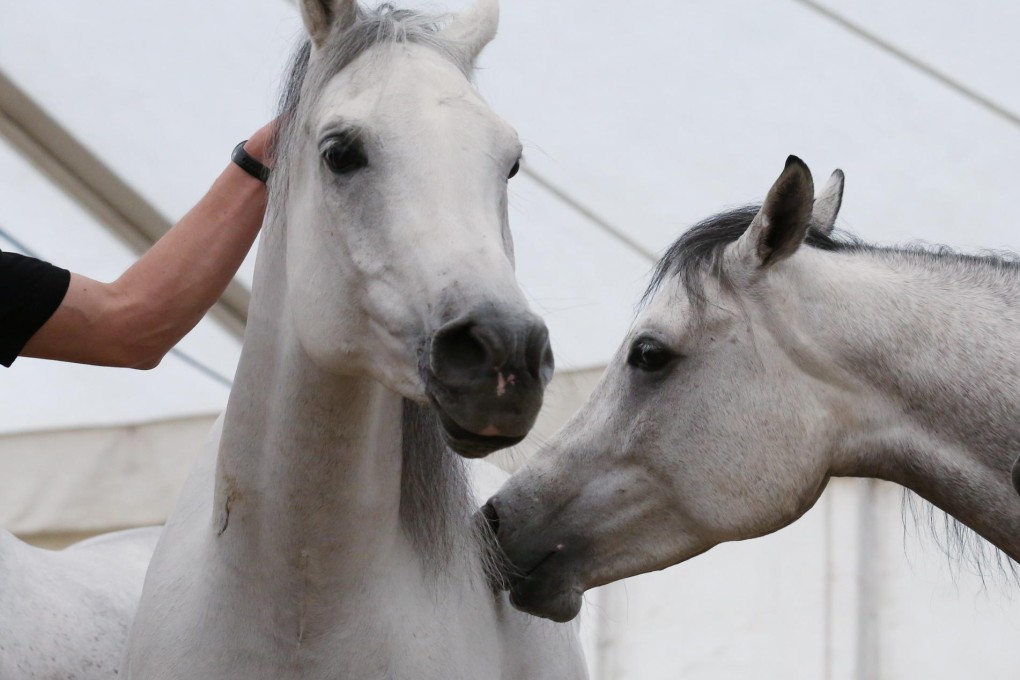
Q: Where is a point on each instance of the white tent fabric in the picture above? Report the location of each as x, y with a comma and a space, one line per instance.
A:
90, 480
637, 120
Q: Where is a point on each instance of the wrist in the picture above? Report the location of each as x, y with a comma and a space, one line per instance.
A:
249, 163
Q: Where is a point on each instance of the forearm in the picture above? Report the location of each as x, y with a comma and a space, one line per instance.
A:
138, 318
168, 290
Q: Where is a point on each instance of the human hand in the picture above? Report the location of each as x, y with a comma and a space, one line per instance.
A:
259, 145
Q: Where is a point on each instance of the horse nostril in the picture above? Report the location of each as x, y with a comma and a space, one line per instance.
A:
466, 347
496, 353
491, 517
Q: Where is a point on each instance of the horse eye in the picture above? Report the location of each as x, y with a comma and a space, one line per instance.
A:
513, 170
649, 355
344, 156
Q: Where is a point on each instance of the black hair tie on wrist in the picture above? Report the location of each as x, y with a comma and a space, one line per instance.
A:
247, 162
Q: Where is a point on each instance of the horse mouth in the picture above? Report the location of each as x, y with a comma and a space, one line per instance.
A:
546, 592
471, 444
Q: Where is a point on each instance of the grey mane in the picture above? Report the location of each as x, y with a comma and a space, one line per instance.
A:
436, 503
435, 493
699, 252
963, 548
436, 500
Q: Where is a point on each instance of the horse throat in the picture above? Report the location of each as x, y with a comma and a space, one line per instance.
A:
334, 466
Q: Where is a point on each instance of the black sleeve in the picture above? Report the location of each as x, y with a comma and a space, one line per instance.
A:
30, 291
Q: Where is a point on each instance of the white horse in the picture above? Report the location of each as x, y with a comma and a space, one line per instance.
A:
328, 531
759, 369
65, 614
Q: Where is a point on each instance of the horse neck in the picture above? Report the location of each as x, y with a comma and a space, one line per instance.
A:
309, 463
928, 346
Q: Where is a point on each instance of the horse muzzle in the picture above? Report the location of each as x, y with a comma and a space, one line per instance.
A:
485, 376
536, 571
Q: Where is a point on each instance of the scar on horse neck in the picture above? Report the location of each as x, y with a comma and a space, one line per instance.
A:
232, 495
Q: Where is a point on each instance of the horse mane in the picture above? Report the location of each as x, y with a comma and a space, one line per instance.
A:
962, 547
699, 252
435, 493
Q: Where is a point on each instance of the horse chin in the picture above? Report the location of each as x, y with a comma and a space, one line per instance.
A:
551, 596
470, 444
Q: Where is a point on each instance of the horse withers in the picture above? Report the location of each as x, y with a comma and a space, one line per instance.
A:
328, 530
772, 355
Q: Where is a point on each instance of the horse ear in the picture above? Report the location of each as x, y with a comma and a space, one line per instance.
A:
321, 16
473, 28
782, 223
826, 208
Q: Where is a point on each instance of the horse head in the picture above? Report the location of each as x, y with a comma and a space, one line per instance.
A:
392, 177
698, 432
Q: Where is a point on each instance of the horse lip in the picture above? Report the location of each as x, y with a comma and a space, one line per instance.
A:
540, 563
468, 443
462, 440
515, 577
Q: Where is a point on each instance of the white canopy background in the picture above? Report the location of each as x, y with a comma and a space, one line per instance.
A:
637, 120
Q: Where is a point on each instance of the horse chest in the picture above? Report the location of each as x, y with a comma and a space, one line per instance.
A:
392, 626
397, 632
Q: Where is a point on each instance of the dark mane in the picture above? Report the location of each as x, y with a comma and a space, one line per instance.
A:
699, 251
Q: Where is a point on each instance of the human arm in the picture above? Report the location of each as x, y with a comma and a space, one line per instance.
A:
135, 320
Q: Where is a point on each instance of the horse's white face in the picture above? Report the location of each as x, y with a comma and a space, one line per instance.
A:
702, 430
399, 253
